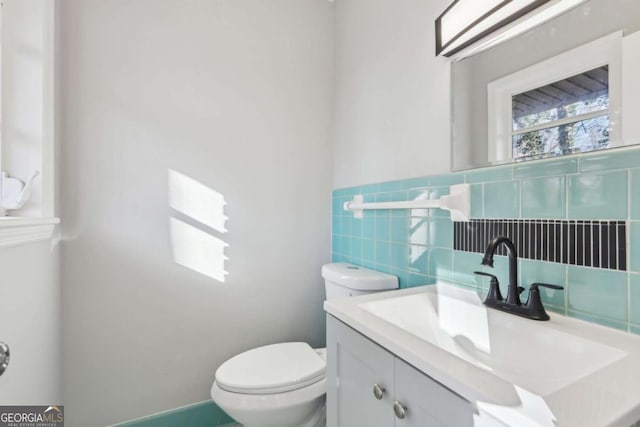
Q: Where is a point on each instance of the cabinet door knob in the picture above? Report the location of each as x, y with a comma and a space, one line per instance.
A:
378, 391
400, 410
4, 357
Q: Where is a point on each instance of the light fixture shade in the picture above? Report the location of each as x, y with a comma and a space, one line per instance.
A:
465, 22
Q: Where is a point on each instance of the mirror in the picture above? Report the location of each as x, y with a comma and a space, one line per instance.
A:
561, 88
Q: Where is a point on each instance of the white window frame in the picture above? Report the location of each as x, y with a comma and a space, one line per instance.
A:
603, 51
17, 230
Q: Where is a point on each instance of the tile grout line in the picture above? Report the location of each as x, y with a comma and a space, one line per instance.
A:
566, 290
627, 254
628, 302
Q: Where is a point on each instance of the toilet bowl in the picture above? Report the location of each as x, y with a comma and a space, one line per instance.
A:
284, 385
279, 385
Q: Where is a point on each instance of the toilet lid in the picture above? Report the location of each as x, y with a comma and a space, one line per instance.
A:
274, 368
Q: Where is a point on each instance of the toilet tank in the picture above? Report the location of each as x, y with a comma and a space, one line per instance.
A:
344, 280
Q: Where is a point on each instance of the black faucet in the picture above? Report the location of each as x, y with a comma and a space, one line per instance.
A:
533, 308
513, 292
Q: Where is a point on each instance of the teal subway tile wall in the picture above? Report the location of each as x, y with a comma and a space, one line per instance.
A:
417, 244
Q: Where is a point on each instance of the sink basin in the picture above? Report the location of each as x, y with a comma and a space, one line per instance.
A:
455, 320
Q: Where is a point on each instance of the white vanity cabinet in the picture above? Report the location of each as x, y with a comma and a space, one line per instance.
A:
369, 386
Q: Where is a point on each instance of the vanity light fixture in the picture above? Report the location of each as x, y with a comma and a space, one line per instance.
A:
468, 27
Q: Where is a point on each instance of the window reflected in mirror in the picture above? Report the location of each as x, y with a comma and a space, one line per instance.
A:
565, 117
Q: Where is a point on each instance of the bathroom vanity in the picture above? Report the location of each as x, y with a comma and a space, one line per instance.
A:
370, 386
435, 355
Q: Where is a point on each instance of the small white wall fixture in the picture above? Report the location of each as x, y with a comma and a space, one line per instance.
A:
15, 193
457, 202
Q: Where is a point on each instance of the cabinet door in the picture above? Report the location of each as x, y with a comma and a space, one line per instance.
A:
355, 366
428, 403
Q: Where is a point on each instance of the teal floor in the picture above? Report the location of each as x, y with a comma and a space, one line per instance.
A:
204, 414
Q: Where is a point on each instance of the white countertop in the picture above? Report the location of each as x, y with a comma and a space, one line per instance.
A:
562, 372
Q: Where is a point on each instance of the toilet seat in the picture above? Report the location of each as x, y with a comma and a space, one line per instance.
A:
272, 369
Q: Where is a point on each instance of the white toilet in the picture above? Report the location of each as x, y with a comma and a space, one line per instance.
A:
284, 385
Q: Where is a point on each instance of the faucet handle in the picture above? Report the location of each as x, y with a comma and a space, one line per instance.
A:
534, 303
545, 285
482, 273
494, 287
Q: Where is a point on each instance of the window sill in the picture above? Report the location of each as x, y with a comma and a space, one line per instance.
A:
18, 231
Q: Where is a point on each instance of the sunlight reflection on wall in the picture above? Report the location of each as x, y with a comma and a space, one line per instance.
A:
195, 246
197, 201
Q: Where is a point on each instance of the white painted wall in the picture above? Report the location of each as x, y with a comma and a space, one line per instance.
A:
30, 324
392, 92
237, 95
